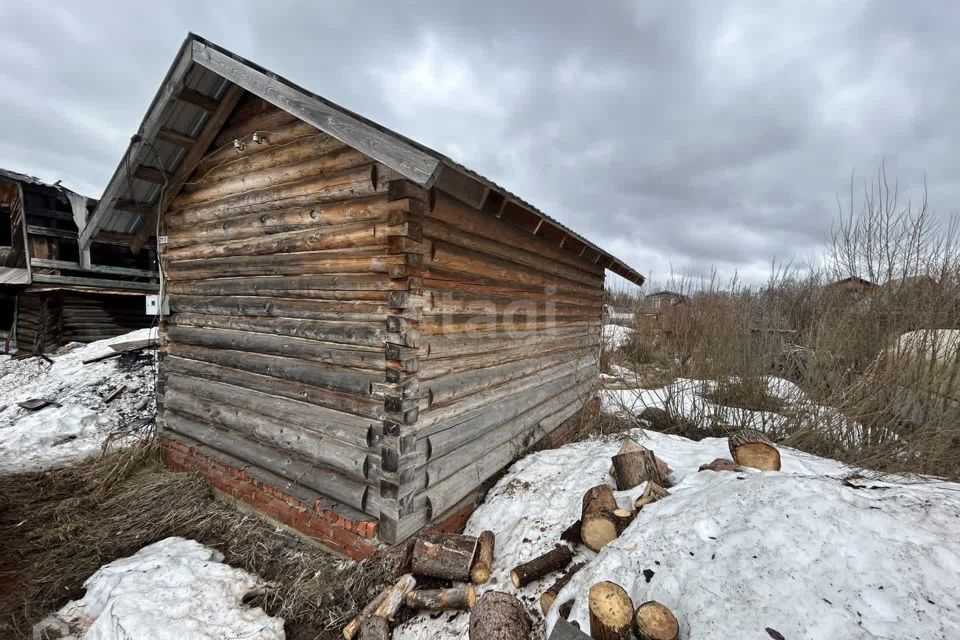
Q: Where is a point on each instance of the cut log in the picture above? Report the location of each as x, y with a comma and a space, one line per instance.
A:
350, 631
564, 609
630, 445
480, 572
444, 555
750, 448
622, 519
597, 526
635, 467
374, 628
651, 493
553, 560
720, 464
572, 533
398, 594
654, 621
611, 612
463, 597
548, 597
499, 616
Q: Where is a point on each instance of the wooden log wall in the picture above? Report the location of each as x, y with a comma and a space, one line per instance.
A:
88, 317
341, 328
38, 322
507, 328
280, 261
50, 319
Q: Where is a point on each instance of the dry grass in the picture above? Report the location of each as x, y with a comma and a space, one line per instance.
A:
898, 404
58, 528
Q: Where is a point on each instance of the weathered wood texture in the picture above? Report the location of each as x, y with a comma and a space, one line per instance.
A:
396, 340
47, 320
508, 338
279, 265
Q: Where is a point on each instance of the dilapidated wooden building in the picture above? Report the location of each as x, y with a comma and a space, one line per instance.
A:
361, 332
47, 297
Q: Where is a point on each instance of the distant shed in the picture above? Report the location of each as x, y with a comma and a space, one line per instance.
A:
47, 298
361, 332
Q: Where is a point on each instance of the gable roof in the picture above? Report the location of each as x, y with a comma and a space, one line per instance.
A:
197, 95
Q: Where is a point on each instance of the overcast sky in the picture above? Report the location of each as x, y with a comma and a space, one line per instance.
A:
678, 135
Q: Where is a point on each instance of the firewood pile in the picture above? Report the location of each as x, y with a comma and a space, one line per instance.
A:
465, 562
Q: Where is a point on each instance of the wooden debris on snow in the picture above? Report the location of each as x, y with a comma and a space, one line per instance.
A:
751, 448
611, 612
483, 564
553, 560
653, 621
651, 493
444, 555
499, 616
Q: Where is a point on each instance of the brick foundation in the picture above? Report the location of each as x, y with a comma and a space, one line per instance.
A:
354, 538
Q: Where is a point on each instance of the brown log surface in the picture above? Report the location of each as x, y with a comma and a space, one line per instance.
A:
444, 555
635, 467
480, 572
462, 597
548, 597
597, 526
499, 616
553, 560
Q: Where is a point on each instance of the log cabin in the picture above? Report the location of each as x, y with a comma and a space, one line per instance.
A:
47, 298
361, 332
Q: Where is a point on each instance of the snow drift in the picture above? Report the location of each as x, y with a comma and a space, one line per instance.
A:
806, 551
170, 590
54, 436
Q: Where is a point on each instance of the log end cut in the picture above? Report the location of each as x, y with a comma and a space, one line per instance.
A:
751, 448
611, 611
653, 621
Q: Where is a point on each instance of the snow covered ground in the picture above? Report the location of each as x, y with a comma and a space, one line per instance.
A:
733, 553
615, 336
171, 590
78, 429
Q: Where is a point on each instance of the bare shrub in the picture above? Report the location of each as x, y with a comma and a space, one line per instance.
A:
871, 335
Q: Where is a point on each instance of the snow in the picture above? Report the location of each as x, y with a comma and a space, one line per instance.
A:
172, 589
800, 551
55, 436
615, 336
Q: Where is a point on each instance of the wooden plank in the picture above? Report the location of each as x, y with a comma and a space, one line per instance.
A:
150, 174
97, 268
327, 481
95, 282
386, 147
307, 350
181, 140
197, 99
189, 397
34, 230
191, 361
363, 334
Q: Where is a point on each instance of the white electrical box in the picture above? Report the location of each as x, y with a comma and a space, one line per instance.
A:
155, 307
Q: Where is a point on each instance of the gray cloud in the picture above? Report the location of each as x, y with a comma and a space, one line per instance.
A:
679, 135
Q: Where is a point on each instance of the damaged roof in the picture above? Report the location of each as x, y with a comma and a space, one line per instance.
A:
197, 95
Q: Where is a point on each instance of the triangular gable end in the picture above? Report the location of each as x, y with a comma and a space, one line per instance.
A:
200, 90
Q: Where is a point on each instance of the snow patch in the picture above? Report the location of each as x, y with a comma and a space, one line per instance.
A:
55, 436
170, 590
615, 336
